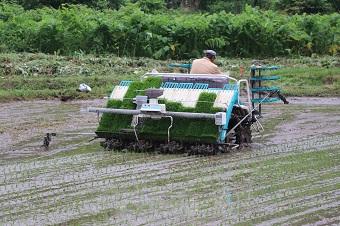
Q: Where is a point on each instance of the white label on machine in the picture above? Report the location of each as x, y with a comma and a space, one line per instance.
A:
151, 108
220, 118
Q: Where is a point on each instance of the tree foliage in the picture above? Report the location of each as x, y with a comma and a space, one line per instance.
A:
99, 4
150, 6
130, 31
306, 6
233, 6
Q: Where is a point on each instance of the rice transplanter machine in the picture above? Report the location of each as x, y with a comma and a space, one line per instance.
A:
178, 113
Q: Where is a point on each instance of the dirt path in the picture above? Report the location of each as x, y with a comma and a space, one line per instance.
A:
289, 176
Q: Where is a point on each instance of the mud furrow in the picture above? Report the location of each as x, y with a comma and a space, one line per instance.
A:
135, 179
112, 188
144, 191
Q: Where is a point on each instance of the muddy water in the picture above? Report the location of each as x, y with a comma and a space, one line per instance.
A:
23, 124
289, 176
309, 118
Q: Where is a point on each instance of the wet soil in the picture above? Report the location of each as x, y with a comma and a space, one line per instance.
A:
23, 124
290, 175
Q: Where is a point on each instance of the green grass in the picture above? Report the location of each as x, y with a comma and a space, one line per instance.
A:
90, 148
283, 168
98, 217
28, 76
25, 76
327, 109
316, 216
311, 81
296, 164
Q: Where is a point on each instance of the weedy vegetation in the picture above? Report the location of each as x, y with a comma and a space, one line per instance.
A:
25, 76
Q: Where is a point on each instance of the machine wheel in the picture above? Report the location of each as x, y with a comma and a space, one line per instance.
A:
242, 134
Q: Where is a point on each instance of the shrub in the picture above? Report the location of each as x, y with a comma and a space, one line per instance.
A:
131, 31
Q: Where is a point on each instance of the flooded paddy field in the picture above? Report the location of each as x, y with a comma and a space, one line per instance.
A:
290, 174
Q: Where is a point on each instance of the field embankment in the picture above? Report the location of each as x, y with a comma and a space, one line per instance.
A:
28, 76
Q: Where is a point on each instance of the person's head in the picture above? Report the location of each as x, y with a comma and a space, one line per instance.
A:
210, 54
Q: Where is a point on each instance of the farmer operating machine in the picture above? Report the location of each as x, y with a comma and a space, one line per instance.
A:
176, 113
